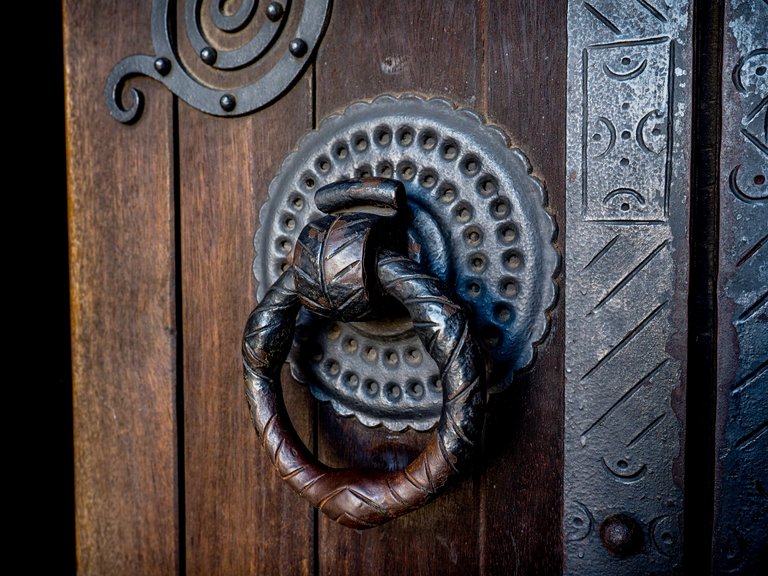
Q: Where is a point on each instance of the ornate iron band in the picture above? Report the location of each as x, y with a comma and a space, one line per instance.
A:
363, 498
165, 66
627, 188
740, 532
478, 222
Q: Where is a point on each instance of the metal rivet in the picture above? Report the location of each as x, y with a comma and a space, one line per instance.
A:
298, 47
274, 11
227, 102
621, 535
163, 66
208, 55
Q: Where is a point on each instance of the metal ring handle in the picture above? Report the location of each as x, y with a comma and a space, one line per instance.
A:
360, 498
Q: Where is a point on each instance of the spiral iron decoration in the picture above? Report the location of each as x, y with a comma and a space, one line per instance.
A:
354, 497
167, 68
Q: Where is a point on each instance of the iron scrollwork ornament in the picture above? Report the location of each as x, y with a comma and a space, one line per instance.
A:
346, 266
283, 35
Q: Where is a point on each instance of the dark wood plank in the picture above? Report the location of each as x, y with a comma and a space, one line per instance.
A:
241, 518
429, 48
522, 489
123, 302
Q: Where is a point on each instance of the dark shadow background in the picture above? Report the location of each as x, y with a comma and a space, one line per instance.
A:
47, 461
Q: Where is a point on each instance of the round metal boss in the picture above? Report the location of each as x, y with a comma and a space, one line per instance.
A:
477, 221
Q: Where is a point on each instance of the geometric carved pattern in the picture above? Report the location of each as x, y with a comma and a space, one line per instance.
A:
740, 528
627, 174
627, 136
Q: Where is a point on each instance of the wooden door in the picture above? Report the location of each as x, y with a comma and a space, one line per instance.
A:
170, 477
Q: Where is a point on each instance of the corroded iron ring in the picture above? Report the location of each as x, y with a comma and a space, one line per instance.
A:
364, 498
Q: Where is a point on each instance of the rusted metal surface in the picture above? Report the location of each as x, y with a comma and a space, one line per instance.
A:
627, 167
477, 221
740, 540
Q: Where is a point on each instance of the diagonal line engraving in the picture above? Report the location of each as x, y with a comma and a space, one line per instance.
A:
294, 472
340, 247
350, 298
602, 17
749, 378
625, 397
602, 252
756, 110
407, 278
751, 437
752, 308
370, 502
331, 496
653, 10
344, 270
626, 339
751, 137
303, 246
752, 251
311, 483
395, 495
645, 431
257, 330
628, 277
414, 482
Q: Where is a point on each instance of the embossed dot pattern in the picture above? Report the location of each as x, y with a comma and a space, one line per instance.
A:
489, 238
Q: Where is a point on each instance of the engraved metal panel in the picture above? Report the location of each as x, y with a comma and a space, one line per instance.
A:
628, 126
629, 67
740, 526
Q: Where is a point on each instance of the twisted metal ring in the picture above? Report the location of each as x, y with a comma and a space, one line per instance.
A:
360, 498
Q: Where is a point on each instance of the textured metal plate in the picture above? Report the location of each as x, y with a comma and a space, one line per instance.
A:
629, 70
741, 514
478, 222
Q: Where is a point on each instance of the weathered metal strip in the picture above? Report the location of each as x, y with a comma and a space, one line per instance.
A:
741, 489
629, 72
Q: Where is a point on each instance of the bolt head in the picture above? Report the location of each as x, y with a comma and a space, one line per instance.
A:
208, 55
275, 11
163, 66
298, 47
228, 102
621, 535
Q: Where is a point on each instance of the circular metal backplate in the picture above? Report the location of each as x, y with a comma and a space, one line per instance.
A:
478, 221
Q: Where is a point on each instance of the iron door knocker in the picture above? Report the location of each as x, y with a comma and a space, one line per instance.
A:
404, 259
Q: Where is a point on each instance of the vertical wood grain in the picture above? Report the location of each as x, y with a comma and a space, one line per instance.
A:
526, 66
432, 49
522, 486
241, 518
120, 190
